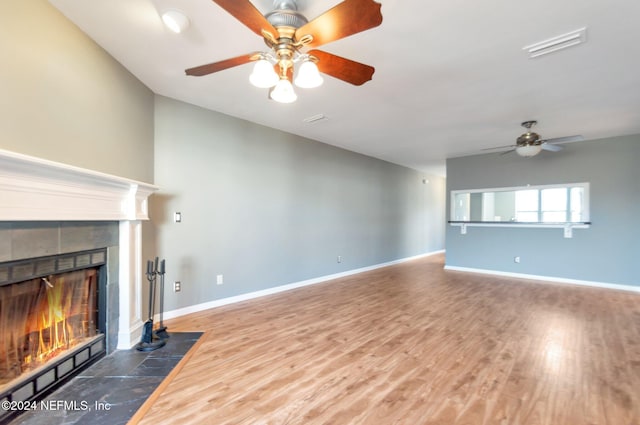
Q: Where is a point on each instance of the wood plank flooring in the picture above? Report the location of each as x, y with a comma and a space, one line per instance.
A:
413, 344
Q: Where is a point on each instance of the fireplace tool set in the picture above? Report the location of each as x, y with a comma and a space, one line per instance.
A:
152, 340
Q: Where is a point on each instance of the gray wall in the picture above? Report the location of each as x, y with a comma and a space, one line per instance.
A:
65, 99
608, 252
266, 208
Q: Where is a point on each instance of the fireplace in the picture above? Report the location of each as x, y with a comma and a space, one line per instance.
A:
82, 232
52, 321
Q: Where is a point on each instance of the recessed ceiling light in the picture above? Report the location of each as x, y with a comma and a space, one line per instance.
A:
554, 44
175, 20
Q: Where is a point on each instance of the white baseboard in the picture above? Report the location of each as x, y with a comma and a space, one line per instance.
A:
277, 289
129, 338
547, 278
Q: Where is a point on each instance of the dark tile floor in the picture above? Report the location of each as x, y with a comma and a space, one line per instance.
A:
113, 389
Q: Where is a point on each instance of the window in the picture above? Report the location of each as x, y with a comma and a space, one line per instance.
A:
552, 205
527, 206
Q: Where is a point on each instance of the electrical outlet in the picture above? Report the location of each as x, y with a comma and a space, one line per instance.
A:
177, 286
219, 279
339, 258
516, 259
177, 217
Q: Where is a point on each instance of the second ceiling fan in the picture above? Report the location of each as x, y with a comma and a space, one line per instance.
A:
288, 35
531, 144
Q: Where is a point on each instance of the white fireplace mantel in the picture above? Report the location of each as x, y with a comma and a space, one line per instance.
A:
35, 189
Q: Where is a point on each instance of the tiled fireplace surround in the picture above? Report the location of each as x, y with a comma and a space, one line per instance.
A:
48, 208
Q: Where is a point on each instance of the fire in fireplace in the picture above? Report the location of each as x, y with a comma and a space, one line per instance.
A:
43, 317
50, 321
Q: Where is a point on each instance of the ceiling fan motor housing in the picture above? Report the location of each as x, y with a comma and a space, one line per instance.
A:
285, 19
286, 15
529, 138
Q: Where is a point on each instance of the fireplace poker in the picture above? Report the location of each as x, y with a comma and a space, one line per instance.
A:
49, 284
161, 332
148, 342
147, 330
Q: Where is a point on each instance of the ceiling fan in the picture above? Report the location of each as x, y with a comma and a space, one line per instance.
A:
530, 144
289, 34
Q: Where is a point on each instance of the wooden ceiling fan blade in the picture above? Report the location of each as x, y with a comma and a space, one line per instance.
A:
345, 19
352, 72
210, 68
245, 12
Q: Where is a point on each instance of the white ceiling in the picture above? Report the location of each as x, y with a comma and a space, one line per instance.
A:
451, 76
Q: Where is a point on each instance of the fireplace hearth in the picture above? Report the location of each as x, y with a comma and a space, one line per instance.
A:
52, 321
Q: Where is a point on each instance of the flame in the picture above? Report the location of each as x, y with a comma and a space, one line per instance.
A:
54, 335
48, 319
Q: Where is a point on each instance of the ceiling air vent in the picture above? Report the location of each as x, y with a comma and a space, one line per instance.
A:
315, 118
554, 44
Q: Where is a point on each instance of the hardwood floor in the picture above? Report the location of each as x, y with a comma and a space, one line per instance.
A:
413, 344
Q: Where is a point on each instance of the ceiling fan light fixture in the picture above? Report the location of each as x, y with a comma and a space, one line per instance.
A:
288, 34
283, 92
308, 75
528, 150
263, 75
175, 20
